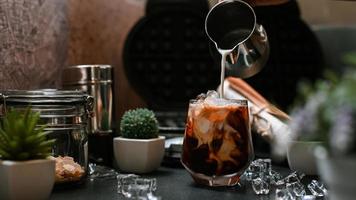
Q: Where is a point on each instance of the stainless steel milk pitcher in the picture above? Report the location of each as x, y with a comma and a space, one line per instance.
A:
231, 25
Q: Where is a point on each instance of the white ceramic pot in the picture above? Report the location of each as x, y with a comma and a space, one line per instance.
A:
138, 155
300, 156
26, 180
339, 175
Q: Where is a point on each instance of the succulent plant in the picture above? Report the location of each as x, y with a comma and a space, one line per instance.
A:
139, 123
20, 137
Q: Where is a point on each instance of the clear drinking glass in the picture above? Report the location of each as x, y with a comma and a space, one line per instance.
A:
217, 145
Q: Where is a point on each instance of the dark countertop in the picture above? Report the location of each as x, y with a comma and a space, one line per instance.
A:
172, 184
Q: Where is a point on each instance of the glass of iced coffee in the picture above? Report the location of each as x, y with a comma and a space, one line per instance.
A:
217, 145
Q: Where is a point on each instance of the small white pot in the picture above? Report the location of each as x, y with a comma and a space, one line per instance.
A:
138, 155
300, 156
338, 173
26, 180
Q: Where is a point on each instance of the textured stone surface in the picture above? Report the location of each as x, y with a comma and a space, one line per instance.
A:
39, 37
33, 38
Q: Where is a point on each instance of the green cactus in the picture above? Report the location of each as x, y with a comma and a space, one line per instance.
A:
21, 139
139, 123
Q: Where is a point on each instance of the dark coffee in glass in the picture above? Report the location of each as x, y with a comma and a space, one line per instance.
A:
217, 145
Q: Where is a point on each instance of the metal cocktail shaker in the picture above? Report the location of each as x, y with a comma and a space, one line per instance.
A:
96, 80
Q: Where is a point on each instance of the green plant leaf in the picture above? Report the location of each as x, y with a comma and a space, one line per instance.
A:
4, 154
21, 138
23, 156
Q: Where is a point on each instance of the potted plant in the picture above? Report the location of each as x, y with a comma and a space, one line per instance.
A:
139, 149
305, 137
329, 116
26, 172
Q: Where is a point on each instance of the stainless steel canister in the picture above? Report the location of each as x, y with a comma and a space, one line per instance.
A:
66, 115
96, 80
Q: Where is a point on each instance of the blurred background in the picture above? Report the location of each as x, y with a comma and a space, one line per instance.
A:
95, 31
98, 29
42, 37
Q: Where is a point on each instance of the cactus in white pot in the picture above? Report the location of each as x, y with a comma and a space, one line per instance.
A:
139, 149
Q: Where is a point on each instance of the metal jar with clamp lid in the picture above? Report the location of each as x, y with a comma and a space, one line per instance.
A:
66, 114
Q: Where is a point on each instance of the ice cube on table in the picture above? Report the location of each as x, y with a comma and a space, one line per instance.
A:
291, 178
152, 197
123, 182
262, 178
275, 177
283, 194
267, 163
260, 186
295, 177
296, 188
151, 182
137, 191
142, 188
101, 172
132, 186
253, 171
262, 168
317, 189
308, 197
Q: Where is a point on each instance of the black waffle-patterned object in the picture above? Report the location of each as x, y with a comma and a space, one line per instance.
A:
166, 54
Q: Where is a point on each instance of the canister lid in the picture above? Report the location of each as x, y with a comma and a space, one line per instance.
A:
44, 96
87, 74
